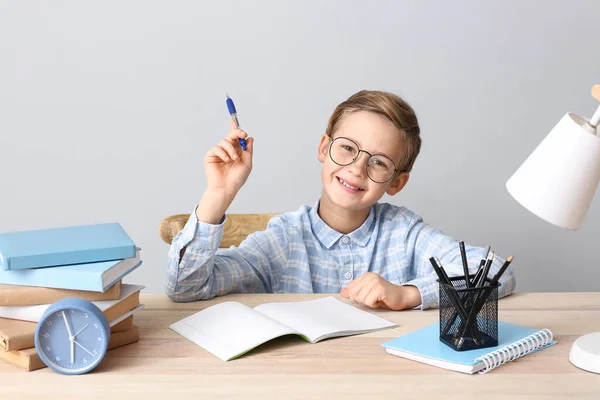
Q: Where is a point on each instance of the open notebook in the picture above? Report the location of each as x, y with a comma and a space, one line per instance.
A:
424, 345
230, 329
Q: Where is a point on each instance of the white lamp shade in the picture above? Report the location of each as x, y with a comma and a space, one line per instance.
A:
558, 180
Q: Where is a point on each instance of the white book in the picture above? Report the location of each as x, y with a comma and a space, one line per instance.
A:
35, 313
231, 329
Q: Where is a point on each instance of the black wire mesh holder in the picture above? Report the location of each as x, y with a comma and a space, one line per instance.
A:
468, 316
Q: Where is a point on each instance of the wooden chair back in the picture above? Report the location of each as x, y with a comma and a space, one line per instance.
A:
237, 227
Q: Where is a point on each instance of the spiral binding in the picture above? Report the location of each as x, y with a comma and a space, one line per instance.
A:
515, 350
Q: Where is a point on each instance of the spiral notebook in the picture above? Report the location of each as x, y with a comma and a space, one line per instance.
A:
514, 341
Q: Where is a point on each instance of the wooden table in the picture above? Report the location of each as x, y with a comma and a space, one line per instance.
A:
165, 365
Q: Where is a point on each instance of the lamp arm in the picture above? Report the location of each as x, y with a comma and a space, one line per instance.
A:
595, 120
592, 125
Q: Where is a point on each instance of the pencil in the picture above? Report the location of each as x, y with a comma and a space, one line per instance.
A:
463, 256
480, 302
497, 277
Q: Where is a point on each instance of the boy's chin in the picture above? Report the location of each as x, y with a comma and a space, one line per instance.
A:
349, 201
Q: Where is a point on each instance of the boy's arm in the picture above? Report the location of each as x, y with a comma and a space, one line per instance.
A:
203, 272
423, 242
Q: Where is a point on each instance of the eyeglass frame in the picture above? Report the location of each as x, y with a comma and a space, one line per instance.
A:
357, 157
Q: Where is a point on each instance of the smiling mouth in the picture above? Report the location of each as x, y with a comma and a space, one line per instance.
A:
346, 184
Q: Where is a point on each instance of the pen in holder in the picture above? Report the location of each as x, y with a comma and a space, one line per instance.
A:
468, 314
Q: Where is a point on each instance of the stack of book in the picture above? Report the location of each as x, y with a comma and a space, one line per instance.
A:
40, 267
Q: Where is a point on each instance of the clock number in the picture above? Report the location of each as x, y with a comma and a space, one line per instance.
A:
57, 358
49, 323
48, 348
72, 311
96, 326
85, 315
95, 352
59, 314
85, 360
46, 335
99, 339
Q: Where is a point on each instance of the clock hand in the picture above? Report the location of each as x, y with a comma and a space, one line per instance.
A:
71, 337
77, 343
64, 314
79, 331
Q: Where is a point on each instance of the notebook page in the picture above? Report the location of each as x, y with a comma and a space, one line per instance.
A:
324, 318
229, 329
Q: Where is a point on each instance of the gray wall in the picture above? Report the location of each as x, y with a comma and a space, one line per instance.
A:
107, 108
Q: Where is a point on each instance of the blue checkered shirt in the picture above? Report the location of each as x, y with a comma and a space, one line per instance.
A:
300, 253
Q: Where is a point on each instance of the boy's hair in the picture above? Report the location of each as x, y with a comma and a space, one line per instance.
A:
390, 106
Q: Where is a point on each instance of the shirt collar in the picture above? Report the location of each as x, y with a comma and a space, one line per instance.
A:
328, 236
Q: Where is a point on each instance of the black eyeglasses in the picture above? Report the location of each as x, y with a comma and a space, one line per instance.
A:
344, 151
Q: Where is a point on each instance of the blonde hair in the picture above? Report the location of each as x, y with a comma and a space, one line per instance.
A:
393, 108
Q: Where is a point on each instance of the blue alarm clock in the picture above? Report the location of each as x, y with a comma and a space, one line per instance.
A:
72, 336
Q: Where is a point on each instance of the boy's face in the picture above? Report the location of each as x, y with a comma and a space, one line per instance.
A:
349, 186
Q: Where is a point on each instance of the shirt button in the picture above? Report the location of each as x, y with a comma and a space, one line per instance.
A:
434, 305
347, 275
345, 239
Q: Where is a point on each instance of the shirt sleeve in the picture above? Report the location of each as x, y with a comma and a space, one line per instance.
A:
205, 271
423, 242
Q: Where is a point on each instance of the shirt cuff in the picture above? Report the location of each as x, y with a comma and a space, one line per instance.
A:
428, 288
201, 235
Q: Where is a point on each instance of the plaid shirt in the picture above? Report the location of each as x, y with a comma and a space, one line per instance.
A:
300, 253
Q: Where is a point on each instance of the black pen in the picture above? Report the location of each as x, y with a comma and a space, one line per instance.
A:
486, 270
481, 265
439, 271
463, 256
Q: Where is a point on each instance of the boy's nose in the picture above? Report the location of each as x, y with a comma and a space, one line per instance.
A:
359, 166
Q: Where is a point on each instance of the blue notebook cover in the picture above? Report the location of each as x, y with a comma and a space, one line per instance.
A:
96, 277
424, 345
63, 246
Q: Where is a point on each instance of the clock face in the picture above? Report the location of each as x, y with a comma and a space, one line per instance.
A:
72, 340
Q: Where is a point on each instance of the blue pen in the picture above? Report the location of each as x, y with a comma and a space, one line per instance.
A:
233, 113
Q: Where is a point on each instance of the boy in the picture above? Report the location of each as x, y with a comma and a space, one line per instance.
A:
374, 253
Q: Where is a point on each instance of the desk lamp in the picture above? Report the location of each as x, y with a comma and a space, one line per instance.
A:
557, 183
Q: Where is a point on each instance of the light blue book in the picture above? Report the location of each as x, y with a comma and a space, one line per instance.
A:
63, 246
514, 341
96, 277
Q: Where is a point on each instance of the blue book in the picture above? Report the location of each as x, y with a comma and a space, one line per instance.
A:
62, 246
514, 341
96, 277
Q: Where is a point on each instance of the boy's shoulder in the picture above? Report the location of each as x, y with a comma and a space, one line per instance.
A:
295, 219
387, 212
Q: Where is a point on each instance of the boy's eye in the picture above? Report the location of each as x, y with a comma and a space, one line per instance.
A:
379, 163
349, 149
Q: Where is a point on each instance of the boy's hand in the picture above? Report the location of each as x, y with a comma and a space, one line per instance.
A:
372, 290
227, 166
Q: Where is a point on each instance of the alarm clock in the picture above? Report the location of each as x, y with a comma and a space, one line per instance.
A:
72, 336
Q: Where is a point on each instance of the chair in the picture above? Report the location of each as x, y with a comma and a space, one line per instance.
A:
237, 227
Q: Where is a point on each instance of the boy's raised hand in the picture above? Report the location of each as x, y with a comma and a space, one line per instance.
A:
227, 166
372, 290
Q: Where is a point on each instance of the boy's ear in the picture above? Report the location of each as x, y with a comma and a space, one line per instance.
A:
323, 147
398, 183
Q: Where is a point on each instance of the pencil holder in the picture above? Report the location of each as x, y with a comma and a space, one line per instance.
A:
468, 315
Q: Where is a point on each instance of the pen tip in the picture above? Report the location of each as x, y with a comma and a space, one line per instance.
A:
226, 95
509, 258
